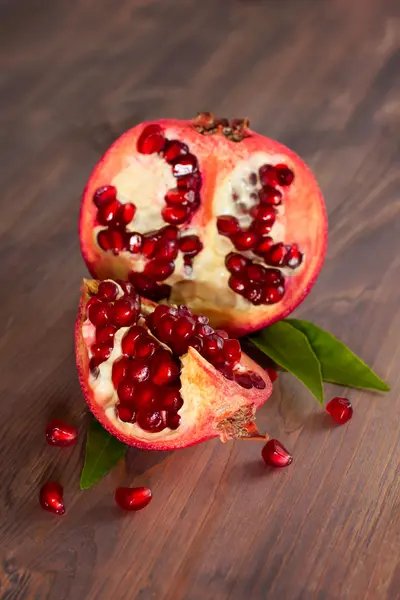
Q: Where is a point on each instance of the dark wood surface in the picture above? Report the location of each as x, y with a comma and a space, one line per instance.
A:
322, 77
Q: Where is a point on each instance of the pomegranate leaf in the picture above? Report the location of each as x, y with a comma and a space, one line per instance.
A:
290, 348
338, 363
103, 451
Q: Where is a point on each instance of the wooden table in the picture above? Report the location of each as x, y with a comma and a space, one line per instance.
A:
322, 77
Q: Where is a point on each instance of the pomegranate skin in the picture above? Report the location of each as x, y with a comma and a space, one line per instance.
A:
303, 220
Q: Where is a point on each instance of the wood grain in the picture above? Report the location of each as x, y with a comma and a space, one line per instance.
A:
322, 77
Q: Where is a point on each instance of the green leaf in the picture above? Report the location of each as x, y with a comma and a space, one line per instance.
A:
338, 364
103, 451
290, 349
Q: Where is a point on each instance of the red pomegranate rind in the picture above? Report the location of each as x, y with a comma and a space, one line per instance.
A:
209, 398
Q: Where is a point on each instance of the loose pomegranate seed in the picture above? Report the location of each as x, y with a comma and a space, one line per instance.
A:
244, 240
269, 195
130, 339
164, 369
232, 351
257, 381
244, 380
151, 140
175, 214
151, 421
263, 246
273, 277
173, 149
190, 245
340, 410
227, 225
101, 352
236, 263
124, 311
277, 254
184, 165
120, 370
107, 291
177, 197
145, 347
256, 273
105, 335
267, 175
173, 421
237, 284
51, 498
59, 433
126, 413
126, 213
284, 175
108, 212
133, 498
147, 396
126, 391
159, 269
133, 242
104, 195
276, 455
99, 313
272, 374
138, 370
172, 400
272, 295
293, 256
189, 182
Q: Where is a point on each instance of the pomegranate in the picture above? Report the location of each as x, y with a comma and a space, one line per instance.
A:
165, 379
208, 214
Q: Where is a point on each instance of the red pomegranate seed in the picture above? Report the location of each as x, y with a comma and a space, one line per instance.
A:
253, 294
173, 421
145, 347
244, 240
203, 330
133, 242
146, 396
126, 413
160, 311
142, 283
124, 311
107, 291
293, 256
263, 246
126, 213
232, 351
101, 352
237, 284
227, 225
165, 327
276, 455
184, 328
104, 195
111, 239
266, 214
173, 149
190, 245
184, 311
255, 273
236, 263
160, 292
133, 498
103, 240
169, 232
244, 380
130, 339
59, 433
273, 277
202, 319
151, 140
340, 410
128, 288
184, 165
120, 370
126, 391
267, 175
172, 400
284, 175
138, 370
177, 197
260, 227
105, 335
272, 374
166, 249
189, 182
51, 498
277, 254
212, 346
164, 369
149, 246
175, 214
257, 381
269, 195
151, 421
272, 295
226, 371
99, 313
159, 269
108, 212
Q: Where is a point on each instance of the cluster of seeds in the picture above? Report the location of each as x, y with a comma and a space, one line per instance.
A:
147, 374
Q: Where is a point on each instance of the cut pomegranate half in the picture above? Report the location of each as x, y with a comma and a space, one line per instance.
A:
219, 188
167, 379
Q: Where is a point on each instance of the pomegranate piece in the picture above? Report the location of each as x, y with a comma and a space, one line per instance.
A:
151, 140
51, 498
59, 433
276, 455
133, 498
340, 410
104, 195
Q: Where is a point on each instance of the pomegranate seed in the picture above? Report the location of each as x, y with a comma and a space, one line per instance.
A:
175, 214
173, 149
149, 246
269, 195
267, 175
126, 213
277, 254
99, 313
212, 346
236, 263
293, 256
126, 413
59, 433
340, 410
105, 335
130, 339
160, 292
173, 421
222, 334
176, 197
202, 319
117, 241
128, 288
103, 240
276, 455
101, 352
226, 371
190, 245
160, 311
253, 294
237, 284
143, 284
189, 182
151, 140
184, 165
166, 249
119, 370
104, 195
146, 396
273, 277
133, 498
169, 232
244, 240
126, 391
203, 330
232, 351
133, 242
145, 347
256, 273
244, 380
272, 295
159, 269
172, 400
263, 246
124, 311
150, 421
107, 291
260, 227
138, 370
108, 212
51, 498
184, 328
227, 225
164, 369
165, 327
266, 214
257, 381
284, 175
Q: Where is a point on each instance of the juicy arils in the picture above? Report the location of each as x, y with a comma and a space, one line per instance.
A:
158, 376
172, 203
